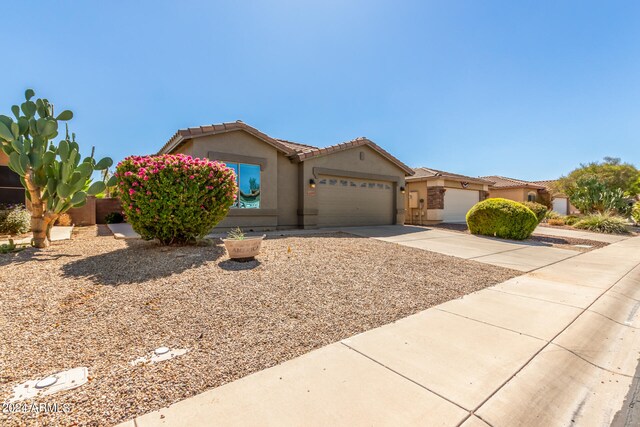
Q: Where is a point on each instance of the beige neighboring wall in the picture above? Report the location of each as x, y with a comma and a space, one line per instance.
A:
373, 166
515, 194
278, 203
424, 212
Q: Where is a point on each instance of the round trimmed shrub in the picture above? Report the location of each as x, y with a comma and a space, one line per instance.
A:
501, 218
173, 197
539, 209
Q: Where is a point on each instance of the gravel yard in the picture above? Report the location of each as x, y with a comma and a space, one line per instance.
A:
101, 303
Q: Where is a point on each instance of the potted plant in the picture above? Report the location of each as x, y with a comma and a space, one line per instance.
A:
241, 247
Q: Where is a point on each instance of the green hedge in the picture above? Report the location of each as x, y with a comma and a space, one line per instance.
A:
502, 218
539, 209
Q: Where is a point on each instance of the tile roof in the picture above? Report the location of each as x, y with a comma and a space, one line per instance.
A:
296, 146
425, 173
184, 135
546, 183
294, 150
358, 142
504, 182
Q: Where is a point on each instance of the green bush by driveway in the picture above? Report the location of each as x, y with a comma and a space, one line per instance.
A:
502, 218
539, 209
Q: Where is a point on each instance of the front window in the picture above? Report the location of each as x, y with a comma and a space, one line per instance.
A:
248, 180
531, 197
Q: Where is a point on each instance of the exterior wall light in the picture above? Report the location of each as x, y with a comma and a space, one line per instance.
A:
312, 183
402, 190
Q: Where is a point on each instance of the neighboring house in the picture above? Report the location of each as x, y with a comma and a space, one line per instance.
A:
516, 189
11, 190
285, 184
560, 202
530, 191
435, 195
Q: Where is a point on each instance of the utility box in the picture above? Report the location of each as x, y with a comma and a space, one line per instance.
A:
413, 200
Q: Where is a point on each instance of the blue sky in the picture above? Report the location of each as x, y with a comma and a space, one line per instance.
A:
515, 88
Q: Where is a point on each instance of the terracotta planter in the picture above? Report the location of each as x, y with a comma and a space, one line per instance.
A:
249, 247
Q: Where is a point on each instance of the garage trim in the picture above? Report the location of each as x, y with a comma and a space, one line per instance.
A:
317, 171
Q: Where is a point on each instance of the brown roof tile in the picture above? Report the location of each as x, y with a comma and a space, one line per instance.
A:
294, 150
504, 182
426, 173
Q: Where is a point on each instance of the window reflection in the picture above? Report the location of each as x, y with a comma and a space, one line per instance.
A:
248, 180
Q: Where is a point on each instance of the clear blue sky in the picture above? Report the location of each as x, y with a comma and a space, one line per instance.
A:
516, 88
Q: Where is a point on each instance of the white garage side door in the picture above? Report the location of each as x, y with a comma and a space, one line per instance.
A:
344, 202
457, 203
560, 205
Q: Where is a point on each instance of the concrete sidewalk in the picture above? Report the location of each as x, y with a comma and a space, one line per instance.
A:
523, 256
555, 347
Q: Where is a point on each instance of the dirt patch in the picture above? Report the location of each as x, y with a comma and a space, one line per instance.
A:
101, 303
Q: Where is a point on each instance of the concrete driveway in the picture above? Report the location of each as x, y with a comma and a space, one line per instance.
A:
522, 256
555, 347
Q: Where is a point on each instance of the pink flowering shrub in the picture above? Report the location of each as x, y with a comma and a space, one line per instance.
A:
174, 198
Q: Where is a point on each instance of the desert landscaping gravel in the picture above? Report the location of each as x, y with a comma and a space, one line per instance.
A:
101, 303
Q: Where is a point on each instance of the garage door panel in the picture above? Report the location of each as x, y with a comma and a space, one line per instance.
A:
457, 203
353, 202
560, 205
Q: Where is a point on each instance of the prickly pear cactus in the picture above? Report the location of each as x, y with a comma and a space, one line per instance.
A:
55, 177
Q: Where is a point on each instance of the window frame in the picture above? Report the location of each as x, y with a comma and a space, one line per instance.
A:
236, 169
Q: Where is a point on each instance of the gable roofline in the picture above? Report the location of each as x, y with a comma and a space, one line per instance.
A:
294, 150
423, 174
184, 135
358, 142
505, 182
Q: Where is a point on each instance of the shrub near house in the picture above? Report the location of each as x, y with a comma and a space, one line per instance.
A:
502, 218
174, 198
538, 208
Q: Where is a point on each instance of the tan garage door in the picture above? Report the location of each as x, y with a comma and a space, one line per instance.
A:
352, 202
457, 203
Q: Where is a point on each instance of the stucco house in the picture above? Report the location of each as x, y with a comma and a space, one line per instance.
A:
560, 202
435, 195
11, 190
286, 184
530, 191
516, 189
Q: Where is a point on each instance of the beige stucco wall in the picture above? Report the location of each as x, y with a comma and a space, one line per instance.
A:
412, 216
421, 215
515, 194
287, 200
349, 161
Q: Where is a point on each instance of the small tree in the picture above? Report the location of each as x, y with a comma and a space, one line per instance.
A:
53, 176
611, 173
590, 195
